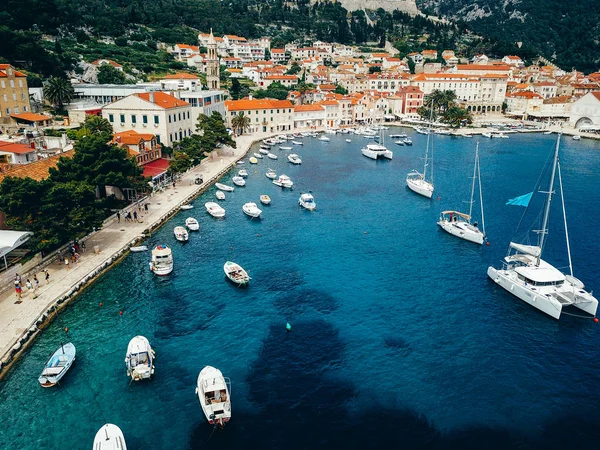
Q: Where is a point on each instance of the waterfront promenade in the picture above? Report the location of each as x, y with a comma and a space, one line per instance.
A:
19, 319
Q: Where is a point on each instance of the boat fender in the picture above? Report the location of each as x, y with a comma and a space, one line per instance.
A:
288, 327
595, 320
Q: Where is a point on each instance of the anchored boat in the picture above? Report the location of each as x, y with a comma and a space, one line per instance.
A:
181, 234
139, 359
214, 391
109, 437
162, 260
58, 365
236, 274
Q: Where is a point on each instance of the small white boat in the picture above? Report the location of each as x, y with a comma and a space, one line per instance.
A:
576, 137
375, 151
547, 132
224, 187
215, 210
400, 135
252, 160
238, 181
283, 181
162, 260
294, 159
213, 391
58, 365
138, 248
399, 142
241, 162
487, 135
272, 156
139, 359
323, 138
109, 437
236, 274
408, 141
421, 130
264, 151
265, 199
297, 143
251, 210
348, 140
192, 224
271, 174
243, 173
181, 234
186, 207
285, 148
220, 195
258, 156
307, 201
501, 136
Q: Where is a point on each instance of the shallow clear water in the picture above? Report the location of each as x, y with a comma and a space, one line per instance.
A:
399, 340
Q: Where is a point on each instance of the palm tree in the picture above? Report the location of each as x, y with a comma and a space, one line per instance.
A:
303, 88
455, 116
240, 122
97, 124
58, 91
447, 99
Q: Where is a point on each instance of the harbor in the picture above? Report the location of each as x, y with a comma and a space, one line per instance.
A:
371, 286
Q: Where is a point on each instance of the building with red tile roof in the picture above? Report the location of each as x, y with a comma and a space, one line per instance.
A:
266, 114
14, 93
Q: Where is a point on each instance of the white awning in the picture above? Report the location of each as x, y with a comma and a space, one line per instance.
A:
532, 250
9, 240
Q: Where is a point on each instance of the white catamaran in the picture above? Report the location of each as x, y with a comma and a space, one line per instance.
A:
527, 276
459, 224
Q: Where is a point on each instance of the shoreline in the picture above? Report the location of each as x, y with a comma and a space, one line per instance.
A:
21, 322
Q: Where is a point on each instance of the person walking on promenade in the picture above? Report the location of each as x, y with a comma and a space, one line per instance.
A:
18, 291
67, 263
146, 207
83, 246
17, 278
135, 219
29, 285
36, 283
47, 276
118, 217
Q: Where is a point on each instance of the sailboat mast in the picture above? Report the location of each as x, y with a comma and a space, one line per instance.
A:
427, 143
544, 230
480, 193
562, 198
473, 182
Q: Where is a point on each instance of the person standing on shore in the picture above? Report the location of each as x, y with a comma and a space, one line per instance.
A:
83, 246
135, 216
146, 207
118, 217
36, 283
18, 291
67, 263
47, 276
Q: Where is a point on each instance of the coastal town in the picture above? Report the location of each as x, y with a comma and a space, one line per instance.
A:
122, 157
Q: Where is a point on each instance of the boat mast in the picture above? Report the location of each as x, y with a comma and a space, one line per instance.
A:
544, 230
480, 193
427, 143
562, 198
473, 183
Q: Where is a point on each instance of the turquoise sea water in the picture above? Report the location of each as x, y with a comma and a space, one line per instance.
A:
398, 338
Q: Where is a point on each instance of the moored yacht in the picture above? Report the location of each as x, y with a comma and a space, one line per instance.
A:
375, 151
265, 199
417, 182
214, 391
239, 181
323, 138
109, 437
181, 234
271, 174
283, 181
294, 159
236, 273
224, 187
139, 359
162, 260
251, 210
215, 210
307, 201
58, 365
192, 224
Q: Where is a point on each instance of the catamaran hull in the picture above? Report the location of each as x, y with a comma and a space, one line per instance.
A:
420, 188
547, 305
467, 235
377, 155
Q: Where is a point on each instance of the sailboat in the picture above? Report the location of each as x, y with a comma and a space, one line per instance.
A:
459, 224
527, 276
417, 182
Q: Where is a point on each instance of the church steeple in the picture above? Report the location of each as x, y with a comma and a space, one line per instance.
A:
212, 63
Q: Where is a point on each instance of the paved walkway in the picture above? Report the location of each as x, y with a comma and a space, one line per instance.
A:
16, 318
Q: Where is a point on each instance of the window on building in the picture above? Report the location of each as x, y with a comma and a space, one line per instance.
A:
14, 97
171, 137
169, 118
7, 110
5, 97
3, 84
111, 118
156, 121
179, 118
16, 110
188, 114
12, 83
24, 108
22, 96
122, 117
133, 118
144, 119
20, 83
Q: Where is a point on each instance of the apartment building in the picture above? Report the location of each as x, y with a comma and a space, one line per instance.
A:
14, 93
266, 115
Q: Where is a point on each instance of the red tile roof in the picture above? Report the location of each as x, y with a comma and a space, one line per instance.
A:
37, 170
301, 108
486, 67
31, 117
179, 76
4, 67
12, 147
163, 100
131, 137
106, 61
264, 103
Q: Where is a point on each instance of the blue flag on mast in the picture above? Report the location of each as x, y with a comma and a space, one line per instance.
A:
522, 200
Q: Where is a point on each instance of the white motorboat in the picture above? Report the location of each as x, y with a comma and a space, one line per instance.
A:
421, 130
297, 143
215, 210
375, 151
224, 187
399, 142
527, 276
236, 273
576, 137
323, 138
547, 132
186, 207
294, 159
258, 156
459, 224
265, 199
442, 131
214, 391
162, 260
283, 181
242, 173
264, 151
181, 234
394, 136
487, 135
272, 156
252, 160
238, 181
417, 182
57, 366
348, 140
271, 174
220, 195
251, 210
283, 147
192, 224
307, 201
241, 162
109, 437
139, 359
138, 248
407, 141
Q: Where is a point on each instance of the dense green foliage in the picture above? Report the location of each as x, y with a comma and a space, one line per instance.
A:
568, 32
442, 104
274, 90
107, 74
66, 205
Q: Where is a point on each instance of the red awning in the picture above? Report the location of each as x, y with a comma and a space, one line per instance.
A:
156, 167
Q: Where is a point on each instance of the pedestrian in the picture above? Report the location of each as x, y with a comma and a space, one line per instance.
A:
146, 207
47, 276
29, 285
36, 283
118, 217
67, 263
173, 183
17, 278
135, 216
18, 291
76, 256
73, 258
83, 246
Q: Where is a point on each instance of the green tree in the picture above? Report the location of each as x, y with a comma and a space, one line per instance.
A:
455, 116
427, 114
303, 88
294, 69
58, 91
374, 69
95, 125
240, 123
108, 74
339, 89
213, 131
411, 65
